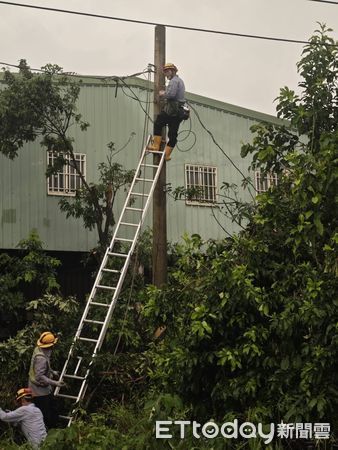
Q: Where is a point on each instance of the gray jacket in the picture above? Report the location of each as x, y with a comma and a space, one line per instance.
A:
40, 365
30, 419
174, 96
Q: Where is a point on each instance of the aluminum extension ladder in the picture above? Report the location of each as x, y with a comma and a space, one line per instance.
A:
108, 283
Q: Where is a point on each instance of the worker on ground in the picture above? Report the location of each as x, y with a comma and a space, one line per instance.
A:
28, 417
41, 378
171, 114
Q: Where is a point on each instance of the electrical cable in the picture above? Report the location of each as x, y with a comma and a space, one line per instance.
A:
217, 145
219, 223
73, 74
210, 134
135, 98
144, 22
189, 132
323, 1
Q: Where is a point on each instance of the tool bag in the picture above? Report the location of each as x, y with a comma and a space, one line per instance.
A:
184, 111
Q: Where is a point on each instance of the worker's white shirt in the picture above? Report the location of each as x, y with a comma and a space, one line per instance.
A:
30, 419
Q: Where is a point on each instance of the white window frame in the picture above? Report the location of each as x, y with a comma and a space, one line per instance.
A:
199, 171
263, 184
67, 181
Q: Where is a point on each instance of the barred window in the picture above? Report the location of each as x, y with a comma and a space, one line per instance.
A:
203, 179
263, 183
67, 181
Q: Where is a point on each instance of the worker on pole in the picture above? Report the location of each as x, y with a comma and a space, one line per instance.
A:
173, 111
41, 378
28, 417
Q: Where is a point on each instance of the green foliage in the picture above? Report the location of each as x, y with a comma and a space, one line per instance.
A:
251, 323
94, 202
34, 105
32, 268
51, 312
36, 265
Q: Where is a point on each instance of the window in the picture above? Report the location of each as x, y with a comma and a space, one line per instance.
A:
203, 179
68, 180
262, 184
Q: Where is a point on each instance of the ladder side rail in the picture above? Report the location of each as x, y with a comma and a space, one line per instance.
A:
103, 263
104, 328
157, 175
129, 193
92, 293
126, 264
112, 305
116, 294
121, 279
84, 315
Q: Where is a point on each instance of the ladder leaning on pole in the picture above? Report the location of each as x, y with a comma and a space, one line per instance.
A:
108, 283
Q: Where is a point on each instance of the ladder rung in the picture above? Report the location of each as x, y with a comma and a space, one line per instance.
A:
93, 321
65, 417
133, 209
75, 377
67, 396
149, 165
117, 254
87, 339
99, 304
130, 224
155, 151
111, 270
144, 179
124, 239
101, 286
139, 194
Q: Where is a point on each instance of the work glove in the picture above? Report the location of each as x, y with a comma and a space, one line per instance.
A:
55, 374
60, 384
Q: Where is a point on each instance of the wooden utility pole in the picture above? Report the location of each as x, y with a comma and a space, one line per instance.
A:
159, 197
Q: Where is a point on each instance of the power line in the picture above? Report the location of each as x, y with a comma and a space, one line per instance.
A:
18, 67
324, 1
95, 77
143, 22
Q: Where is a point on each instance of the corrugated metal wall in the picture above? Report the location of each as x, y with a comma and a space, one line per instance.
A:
113, 116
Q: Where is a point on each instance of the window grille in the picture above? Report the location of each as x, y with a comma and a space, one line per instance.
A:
263, 183
67, 181
204, 180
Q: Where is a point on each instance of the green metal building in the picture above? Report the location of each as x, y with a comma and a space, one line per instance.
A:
116, 113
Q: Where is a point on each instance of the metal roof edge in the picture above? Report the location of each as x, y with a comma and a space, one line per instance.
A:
194, 98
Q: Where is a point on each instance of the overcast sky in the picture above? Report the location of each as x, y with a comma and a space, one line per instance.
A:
242, 71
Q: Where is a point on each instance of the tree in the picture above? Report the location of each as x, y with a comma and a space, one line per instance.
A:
94, 202
34, 105
251, 321
32, 270
44, 105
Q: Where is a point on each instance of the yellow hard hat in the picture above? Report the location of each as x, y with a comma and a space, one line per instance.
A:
24, 393
47, 339
171, 66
